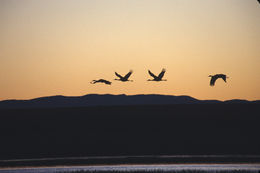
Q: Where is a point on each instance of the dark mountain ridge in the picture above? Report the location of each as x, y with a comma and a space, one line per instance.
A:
120, 125
109, 100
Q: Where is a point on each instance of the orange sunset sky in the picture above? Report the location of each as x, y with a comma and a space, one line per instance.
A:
56, 47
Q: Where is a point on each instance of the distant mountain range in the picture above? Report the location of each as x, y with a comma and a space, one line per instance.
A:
111, 100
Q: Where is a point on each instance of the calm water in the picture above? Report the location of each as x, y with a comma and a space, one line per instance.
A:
254, 168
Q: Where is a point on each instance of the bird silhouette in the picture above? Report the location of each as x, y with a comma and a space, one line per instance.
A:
157, 78
215, 77
125, 78
101, 81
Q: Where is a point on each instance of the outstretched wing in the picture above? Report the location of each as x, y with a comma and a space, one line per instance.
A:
118, 75
128, 74
224, 77
213, 80
162, 73
106, 81
150, 73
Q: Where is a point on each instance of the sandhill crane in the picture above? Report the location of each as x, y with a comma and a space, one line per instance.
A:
157, 78
125, 78
101, 81
215, 77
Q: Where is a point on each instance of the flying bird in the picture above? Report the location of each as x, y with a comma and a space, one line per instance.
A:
215, 77
157, 78
101, 81
125, 78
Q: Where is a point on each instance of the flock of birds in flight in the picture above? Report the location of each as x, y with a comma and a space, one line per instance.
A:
155, 78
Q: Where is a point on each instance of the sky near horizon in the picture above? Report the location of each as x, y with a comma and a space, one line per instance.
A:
56, 47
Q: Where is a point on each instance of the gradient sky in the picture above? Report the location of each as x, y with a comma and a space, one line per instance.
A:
56, 47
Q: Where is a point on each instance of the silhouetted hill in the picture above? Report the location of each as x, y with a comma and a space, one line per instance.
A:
108, 100
131, 130
121, 125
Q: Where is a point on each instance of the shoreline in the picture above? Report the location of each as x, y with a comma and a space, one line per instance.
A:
234, 168
130, 160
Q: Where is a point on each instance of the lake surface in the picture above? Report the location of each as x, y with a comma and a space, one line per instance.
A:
254, 168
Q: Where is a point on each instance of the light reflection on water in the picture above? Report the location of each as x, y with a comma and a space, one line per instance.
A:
254, 168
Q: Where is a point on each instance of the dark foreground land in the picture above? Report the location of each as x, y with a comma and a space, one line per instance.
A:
154, 130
